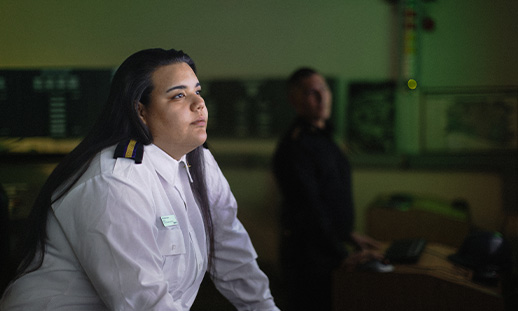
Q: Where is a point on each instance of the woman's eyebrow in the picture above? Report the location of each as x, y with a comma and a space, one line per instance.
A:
180, 87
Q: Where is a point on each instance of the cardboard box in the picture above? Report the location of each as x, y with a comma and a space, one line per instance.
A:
403, 216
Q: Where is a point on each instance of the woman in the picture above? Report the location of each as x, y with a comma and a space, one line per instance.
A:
139, 210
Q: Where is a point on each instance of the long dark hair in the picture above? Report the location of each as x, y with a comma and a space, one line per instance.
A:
118, 121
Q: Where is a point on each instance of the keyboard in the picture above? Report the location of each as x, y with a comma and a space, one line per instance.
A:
405, 251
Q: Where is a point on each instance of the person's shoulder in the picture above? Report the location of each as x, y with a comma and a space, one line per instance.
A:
297, 131
299, 135
208, 158
125, 159
129, 149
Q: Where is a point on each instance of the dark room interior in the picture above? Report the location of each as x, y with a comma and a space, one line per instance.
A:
425, 104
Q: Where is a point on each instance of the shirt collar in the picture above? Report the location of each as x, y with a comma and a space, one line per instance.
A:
164, 164
186, 165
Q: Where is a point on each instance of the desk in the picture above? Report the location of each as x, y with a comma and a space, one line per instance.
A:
432, 284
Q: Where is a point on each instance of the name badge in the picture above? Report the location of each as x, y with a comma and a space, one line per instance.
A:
169, 220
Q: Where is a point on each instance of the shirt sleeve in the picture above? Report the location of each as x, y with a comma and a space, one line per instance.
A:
110, 225
237, 275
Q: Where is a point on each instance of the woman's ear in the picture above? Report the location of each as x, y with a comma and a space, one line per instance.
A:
141, 110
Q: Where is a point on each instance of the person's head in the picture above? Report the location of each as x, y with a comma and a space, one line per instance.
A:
140, 88
310, 96
174, 110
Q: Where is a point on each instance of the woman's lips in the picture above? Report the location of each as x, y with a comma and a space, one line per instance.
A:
200, 122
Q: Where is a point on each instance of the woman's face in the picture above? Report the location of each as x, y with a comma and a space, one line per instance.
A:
176, 114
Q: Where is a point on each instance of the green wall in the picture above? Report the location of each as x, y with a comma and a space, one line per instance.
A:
473, 42
228, 38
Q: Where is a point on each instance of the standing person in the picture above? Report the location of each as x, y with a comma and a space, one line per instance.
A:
137, 213
317, 213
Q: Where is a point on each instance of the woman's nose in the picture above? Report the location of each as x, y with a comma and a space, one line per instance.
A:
198, 103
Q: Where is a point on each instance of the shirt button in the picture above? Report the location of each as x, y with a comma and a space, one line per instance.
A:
173, 247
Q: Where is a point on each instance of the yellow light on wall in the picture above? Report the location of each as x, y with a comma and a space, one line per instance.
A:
412, 84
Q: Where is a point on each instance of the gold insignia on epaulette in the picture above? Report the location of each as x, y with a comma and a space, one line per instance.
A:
130, 149
295, 133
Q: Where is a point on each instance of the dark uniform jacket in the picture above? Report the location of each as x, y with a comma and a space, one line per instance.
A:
317, 210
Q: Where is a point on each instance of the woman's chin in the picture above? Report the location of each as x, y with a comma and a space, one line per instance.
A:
201, 139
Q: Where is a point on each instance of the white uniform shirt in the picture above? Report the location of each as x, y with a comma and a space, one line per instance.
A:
131, 237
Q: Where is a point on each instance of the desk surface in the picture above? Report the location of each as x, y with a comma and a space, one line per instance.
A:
433, 283
434, 262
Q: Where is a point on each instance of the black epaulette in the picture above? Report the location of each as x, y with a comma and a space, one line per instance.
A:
130, 149
295, 134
